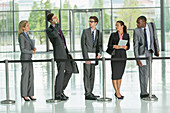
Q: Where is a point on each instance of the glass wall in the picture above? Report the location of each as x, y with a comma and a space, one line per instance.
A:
167, 24
6, 26
112, 10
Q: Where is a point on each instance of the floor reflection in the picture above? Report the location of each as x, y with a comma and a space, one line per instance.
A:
89, 107
117, 108
28, 107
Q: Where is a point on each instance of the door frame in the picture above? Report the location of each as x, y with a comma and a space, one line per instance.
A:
72, 25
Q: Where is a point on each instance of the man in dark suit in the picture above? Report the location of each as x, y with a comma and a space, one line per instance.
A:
60, 52
91, 42
143, 40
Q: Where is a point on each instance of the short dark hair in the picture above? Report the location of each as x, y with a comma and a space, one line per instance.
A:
49, 17
143, 18
95, 18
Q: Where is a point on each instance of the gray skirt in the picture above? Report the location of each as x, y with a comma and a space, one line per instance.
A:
118, 67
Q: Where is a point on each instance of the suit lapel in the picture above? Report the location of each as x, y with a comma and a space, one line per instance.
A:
90, 36
28, 38
151, 33
124, 36
55, 28
117, 37
96, 37
142, 34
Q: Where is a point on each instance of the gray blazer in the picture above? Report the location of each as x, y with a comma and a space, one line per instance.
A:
26, 46
87, 42
139, 40
60, 52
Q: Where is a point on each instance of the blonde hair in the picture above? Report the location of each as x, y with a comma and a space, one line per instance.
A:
22, 24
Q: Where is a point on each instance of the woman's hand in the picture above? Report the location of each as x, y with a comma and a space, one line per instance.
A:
34, 50
124, 47
116, 46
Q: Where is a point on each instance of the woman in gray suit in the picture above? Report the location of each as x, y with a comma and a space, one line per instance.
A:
117, 51
27, 49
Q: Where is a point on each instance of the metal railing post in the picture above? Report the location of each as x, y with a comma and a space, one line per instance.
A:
151, 97
104, 98
7, 101
53, 83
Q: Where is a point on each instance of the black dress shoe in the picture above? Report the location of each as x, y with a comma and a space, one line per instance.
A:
33, 99
60, 97
64, 95
25, 99
143, 96
119, 97
95, 95
90, 97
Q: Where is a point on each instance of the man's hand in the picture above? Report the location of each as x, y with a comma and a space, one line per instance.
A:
158, 53
57, 20
139, 63
98, 56
34, 49
88, 62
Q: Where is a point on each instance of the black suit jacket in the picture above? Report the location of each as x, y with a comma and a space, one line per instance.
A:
60, 52
114, 40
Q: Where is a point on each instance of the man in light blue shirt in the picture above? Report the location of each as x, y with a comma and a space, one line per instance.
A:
91, 43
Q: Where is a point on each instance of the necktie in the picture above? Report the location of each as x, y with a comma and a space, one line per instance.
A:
93, 37
61, 34
146, 42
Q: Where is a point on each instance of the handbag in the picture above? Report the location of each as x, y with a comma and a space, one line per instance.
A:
154, 42
110, 51
74, 65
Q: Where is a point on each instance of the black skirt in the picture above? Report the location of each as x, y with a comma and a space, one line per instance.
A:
118, 67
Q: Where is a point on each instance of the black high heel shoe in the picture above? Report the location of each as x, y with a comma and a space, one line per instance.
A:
33, 99
119, 97
25, 99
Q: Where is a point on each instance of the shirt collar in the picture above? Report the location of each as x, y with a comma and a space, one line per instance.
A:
120, 34
25, 33
92, 30
147, 27
53, 25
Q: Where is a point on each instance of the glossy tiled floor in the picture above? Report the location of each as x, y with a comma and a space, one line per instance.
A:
75, 90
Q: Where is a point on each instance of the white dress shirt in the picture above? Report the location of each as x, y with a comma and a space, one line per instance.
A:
94, 33
148, 36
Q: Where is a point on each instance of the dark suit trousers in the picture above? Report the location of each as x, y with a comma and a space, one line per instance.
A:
63, 76
27, 80
89, 75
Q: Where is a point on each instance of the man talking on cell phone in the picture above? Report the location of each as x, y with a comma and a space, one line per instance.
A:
58, 41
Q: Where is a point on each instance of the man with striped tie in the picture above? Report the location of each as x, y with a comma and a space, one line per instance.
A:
145, 43
91, 43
